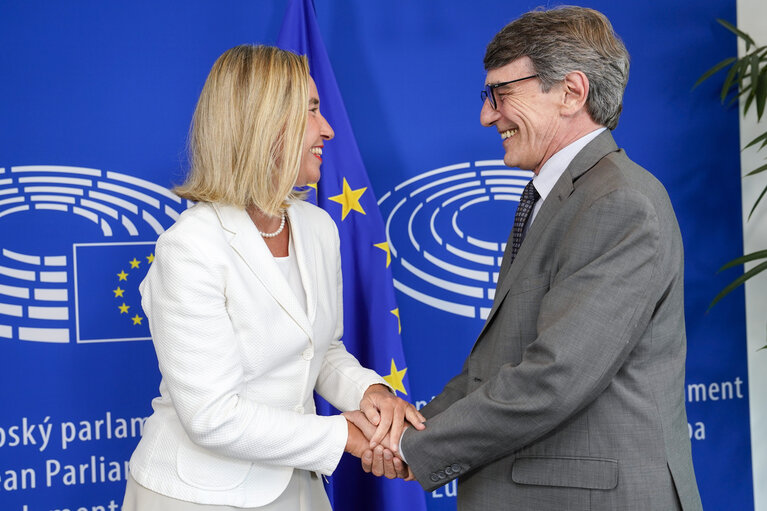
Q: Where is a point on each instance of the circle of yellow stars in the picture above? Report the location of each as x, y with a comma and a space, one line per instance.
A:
120, 292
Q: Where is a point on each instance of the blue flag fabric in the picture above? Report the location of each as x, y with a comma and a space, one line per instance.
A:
371, 317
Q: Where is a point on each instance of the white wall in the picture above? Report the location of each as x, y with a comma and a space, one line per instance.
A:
752, 19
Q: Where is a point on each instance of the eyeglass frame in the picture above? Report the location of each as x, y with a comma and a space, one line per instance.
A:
489, 91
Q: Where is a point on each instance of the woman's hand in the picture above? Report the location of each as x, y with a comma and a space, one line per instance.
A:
388, 413
356, 442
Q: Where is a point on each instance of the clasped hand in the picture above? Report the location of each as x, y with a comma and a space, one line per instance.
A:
375, 430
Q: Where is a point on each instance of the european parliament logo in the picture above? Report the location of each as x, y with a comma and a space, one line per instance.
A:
447, 230
75, 244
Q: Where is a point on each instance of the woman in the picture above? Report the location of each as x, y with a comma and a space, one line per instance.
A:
245, 308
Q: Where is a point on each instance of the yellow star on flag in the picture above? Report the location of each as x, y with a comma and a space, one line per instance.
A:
124, 309
395, 378
134, 263
399, 323
118, 291
384, 245
137, 319
123, 275
349, 199
150, 258
313, 185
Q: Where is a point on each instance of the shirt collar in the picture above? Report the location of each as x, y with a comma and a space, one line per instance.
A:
549, 174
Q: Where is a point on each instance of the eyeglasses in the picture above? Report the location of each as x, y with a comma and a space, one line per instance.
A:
489, 92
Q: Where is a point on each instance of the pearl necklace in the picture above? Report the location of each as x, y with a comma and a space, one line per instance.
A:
278, 231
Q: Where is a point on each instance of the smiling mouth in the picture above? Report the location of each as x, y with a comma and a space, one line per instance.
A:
509, 133
317, 152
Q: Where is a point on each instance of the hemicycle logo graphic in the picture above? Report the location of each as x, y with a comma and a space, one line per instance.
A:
447, 230
75, 244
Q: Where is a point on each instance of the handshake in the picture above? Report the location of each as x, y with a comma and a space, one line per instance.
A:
375, 430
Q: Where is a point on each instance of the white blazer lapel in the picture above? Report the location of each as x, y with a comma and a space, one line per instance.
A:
307, 260
250, 246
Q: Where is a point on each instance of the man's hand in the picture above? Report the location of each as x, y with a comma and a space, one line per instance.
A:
389, 414
381, 461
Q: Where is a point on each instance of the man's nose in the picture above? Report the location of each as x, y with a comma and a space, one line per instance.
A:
488, 115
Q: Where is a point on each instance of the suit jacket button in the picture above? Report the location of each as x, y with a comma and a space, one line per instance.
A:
449, 470
441, 474
434, 477
308, 353
299, 409
456, 468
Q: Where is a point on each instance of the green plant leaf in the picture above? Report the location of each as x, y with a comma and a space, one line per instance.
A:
747, 103
757, 202
713, 70
761, 254
757, 170
758, 139
743, 91
729, 26
755, 84
737, 282
761, 93
731, 75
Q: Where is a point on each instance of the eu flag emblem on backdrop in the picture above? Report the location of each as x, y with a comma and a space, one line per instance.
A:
371, 316
107, 300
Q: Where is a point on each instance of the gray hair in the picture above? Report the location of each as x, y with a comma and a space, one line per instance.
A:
566, 39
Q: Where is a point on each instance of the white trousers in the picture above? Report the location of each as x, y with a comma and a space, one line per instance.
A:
304, 492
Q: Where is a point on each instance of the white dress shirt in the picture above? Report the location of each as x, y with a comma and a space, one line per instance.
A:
288, 265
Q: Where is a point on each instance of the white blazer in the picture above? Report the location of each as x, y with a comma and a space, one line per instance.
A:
239, 359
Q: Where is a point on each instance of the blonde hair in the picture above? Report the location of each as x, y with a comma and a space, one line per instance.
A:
248, 127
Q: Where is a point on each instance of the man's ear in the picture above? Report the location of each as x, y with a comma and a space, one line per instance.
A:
576, 90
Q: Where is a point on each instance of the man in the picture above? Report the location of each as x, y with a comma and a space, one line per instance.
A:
572, 396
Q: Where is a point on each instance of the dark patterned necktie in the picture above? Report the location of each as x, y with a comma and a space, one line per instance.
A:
526, 205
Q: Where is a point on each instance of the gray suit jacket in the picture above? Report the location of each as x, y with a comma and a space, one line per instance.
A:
573, 395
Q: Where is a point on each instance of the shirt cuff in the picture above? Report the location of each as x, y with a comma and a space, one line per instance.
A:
399, 447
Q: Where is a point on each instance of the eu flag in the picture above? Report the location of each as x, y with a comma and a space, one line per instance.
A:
108, 302
371, 316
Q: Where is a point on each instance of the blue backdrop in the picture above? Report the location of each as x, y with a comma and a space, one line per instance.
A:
96, 99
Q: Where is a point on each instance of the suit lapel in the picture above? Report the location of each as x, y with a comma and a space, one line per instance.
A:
249, 245
589, 156
562, 189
